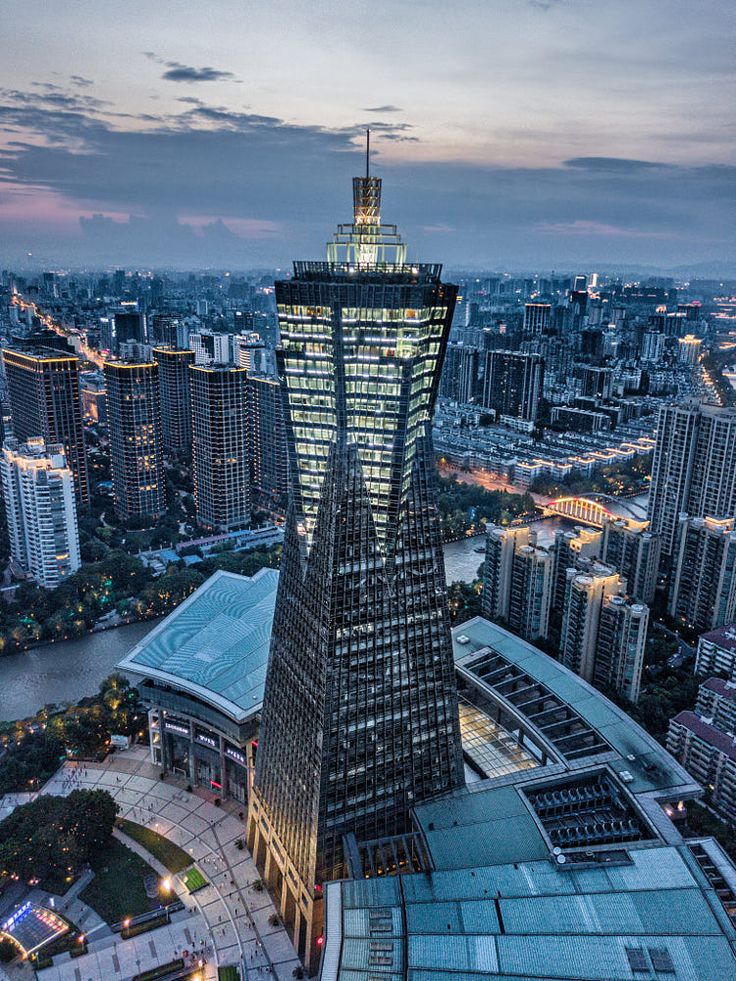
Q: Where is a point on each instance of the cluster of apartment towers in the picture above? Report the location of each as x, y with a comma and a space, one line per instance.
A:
590, 591
226, 420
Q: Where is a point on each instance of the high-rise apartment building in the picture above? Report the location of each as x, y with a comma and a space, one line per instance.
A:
460, 373
694, 468
210, 348
537, 317
220, 455
269, 459
571, 548
360, 718
652, 346
513, 384
620, 646
176, 401
129, 325
41, 511
136, 450
689, 349
517, 581
603, 634
634, 552
43, 387
703, 591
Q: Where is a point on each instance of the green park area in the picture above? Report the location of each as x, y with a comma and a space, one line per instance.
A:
118, 888
35, 747
174, 858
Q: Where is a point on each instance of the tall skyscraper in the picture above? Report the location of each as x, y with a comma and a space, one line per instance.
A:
703, 591
536, 317
136, 452
513, 384
360, 719
38, 489
220, 446
517, 581
634, 552
43, 386
603, 634
269, 458
694, 468
176, 400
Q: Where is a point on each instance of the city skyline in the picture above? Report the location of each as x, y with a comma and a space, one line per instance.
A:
547, 134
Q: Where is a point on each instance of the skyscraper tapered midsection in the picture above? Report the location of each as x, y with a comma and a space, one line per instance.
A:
360, 713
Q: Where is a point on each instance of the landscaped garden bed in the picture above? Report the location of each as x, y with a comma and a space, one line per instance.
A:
174, 858
194, 880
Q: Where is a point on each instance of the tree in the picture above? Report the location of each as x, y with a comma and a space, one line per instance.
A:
52, 838
464, 601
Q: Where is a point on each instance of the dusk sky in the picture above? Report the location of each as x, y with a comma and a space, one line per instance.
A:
511, 134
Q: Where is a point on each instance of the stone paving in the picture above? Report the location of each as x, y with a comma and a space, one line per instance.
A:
227, 921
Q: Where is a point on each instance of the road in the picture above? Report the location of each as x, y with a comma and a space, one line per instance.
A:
48, 321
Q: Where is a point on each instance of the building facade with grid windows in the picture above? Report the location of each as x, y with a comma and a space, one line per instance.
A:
45, 401
136, 453
360, 717
220, 446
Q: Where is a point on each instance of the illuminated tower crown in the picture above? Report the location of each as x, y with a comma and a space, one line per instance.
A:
366, 243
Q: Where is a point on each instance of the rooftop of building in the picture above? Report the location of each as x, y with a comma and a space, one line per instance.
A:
215, 645
604, 731
652, 916
567, 870
726, 689
39, 353
709, 733
724, 637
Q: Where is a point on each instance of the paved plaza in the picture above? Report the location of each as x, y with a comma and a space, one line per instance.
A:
227, 921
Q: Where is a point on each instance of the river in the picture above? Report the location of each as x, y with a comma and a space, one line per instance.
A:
63, 672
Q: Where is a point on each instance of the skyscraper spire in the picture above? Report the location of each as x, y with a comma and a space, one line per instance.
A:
367, 154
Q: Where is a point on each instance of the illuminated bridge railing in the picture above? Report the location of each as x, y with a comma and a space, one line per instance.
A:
580, 509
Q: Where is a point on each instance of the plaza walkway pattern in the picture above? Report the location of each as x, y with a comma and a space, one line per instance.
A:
227, 921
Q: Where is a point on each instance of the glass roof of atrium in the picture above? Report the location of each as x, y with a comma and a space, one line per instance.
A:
215, 644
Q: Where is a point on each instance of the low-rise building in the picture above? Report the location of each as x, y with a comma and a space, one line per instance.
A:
201, 672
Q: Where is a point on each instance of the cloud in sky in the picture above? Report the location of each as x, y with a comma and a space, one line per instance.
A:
178, 72
518, 143
186, 73
213, 184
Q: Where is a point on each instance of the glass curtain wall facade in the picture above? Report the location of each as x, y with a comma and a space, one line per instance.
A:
360, 718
